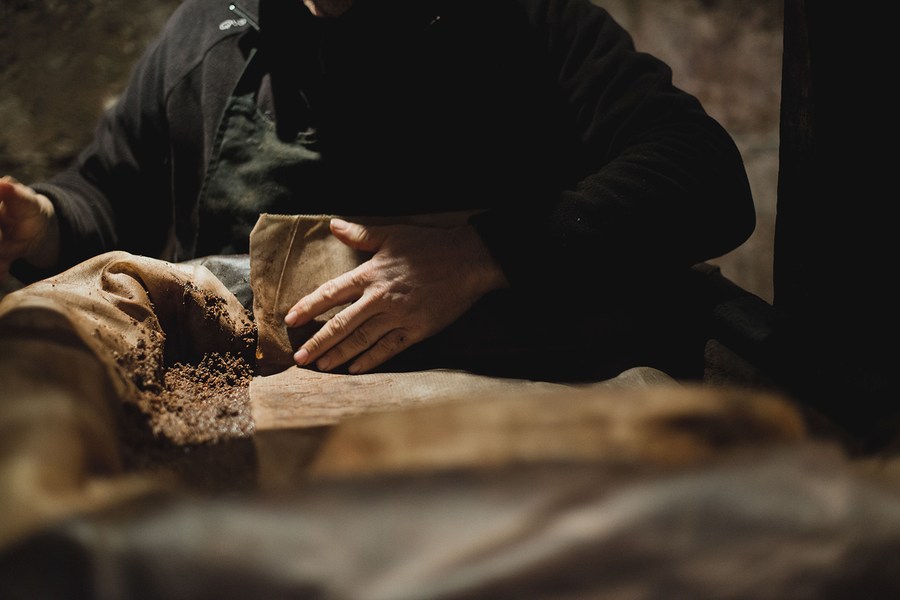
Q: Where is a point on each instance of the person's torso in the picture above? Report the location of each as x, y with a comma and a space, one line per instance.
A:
404, 108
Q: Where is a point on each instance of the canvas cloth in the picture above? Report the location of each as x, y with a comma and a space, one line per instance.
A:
290, 256
795, 523
72, 345
77, 347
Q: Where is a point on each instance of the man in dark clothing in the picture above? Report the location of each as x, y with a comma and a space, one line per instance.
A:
593, 183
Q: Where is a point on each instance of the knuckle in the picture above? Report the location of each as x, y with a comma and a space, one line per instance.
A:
329, 290
362, 234
360, 338
395, 341
337, 323
313, 344
362, 275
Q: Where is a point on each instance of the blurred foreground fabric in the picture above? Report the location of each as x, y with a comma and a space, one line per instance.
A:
786, 523
434, 483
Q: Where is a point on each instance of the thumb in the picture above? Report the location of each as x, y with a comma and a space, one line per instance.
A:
359, 237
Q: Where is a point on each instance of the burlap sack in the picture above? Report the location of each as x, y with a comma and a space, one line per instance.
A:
136, 314
443, 417
77, 347
292, 255
635, 421
786, 523
470, 521
132, 317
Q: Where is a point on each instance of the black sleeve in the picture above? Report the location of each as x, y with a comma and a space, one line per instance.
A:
116, 194
663, 184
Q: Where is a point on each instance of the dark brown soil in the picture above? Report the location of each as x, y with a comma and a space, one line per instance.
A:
193, 422
203, 403
192, 417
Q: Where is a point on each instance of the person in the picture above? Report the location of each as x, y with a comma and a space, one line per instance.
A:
594, 183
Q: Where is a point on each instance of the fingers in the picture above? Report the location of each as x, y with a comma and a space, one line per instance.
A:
349, 287
358, 340
375, 341
28, 225
359, 237
12, 204
360, 328
333, 332
16, 199
395, 342
390, 295
342, 289
18, 203
331, 294
8, 192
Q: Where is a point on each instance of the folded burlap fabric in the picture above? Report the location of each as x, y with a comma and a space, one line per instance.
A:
82, 356
112, 330
136, 314
292, 255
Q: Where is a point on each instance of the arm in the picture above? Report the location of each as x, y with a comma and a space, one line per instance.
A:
658, 184
119, 192
418, 281
119, 179
28, 227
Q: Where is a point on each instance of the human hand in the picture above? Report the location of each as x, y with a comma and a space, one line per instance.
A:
418, 281
28, 228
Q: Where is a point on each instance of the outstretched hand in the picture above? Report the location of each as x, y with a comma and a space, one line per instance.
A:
418, 281
28, 227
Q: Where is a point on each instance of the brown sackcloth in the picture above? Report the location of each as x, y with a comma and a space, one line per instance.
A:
522, 333
76, 350
435, 418
122, 306
438, 483
780, 523
631, 421
59, 447
290, 256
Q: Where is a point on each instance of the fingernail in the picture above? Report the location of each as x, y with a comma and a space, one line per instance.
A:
339, 224
301, 356
354, 369
323, 364
290, 318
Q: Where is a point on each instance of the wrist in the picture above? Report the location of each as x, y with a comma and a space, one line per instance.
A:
487, 276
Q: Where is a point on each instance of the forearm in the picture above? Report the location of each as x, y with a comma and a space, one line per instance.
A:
84, 224
638, 213
108, 194
652, 182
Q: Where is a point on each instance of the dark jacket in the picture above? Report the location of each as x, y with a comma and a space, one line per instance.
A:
589, 163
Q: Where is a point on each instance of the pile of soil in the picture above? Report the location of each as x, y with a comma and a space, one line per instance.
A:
201, 404
195, 426
192, 417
